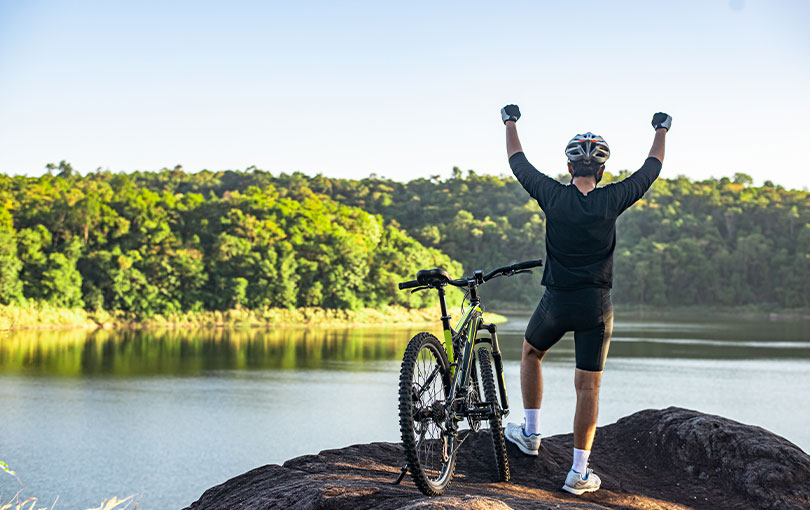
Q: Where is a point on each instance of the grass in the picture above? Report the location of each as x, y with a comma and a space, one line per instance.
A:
42, 315
295, 317
32, 315
31, 503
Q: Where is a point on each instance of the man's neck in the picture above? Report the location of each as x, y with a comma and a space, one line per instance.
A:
584, 184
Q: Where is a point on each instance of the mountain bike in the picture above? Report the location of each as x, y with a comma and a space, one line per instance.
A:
436, 395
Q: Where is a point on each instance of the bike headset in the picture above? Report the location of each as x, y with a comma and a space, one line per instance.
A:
588, 149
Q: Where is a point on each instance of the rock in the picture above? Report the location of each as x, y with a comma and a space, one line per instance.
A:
656, 459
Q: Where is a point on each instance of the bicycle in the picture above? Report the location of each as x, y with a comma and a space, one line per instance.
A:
435, 395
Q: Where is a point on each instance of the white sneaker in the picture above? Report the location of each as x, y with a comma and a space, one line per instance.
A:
576, 484
528, 444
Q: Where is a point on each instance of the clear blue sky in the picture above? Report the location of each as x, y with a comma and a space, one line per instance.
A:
402, 90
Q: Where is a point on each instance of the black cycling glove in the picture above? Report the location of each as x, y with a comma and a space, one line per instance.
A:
661, 120
510, 112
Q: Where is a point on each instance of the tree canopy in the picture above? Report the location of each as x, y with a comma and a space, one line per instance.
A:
124, 242
157, 242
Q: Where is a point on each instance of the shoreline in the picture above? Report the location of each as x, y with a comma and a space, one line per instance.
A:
39, 317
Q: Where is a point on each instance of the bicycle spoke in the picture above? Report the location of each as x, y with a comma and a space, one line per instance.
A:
427, 382
426, 393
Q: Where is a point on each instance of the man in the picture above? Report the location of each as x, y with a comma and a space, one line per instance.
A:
580, 239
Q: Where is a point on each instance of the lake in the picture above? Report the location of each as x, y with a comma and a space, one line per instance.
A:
167, 414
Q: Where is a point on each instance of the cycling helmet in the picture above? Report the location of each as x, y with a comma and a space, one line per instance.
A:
587, 148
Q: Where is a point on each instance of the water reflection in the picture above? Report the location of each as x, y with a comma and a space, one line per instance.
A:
189, 352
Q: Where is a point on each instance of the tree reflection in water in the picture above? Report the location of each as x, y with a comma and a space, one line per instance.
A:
188, 352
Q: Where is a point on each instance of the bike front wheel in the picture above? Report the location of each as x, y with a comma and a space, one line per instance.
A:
427, 437
495, 428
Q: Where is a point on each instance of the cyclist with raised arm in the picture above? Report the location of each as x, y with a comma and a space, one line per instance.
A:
578, 276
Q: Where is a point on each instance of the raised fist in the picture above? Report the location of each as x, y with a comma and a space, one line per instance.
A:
661, 120
510, 112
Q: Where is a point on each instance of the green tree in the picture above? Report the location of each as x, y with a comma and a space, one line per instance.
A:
10, 264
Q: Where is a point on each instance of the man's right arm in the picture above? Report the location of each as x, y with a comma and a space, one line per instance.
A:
630, 190
661, 123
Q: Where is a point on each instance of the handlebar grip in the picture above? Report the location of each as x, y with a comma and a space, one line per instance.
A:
526, 265
409, 285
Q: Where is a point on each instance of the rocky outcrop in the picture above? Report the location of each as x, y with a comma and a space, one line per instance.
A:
655, 459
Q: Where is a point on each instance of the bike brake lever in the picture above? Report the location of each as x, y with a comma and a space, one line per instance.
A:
519, 272
419, 288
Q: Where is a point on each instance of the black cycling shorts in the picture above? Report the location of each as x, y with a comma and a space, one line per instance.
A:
587, 312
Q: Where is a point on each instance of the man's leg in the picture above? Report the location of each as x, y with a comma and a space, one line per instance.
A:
592, 346
587, 386
580, 479
527, 436
542, 333
531, 376
531, 386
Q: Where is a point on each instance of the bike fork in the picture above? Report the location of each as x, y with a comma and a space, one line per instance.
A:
498, 360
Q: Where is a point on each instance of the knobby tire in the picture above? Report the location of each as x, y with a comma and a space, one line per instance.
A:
495, 428
411, 373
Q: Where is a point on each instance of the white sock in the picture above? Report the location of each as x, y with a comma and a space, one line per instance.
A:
532, 425
581, 460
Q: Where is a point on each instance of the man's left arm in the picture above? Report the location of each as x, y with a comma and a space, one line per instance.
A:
536, 183
510, 115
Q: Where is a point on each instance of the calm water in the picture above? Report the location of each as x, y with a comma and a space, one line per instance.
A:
167, 415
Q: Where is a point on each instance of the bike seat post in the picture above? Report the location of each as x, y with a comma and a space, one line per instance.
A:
445, 316
446, 330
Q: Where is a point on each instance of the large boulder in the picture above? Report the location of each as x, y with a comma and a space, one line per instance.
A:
656, 459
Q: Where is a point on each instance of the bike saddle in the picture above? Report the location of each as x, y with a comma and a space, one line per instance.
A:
433, 277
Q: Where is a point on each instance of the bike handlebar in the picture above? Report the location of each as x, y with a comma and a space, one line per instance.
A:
527, 265
520, 266
409, 285
463, 282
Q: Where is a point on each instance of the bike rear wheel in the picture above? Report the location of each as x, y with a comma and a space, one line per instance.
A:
424, 383
495, 428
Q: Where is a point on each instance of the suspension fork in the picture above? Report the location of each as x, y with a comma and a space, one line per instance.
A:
497, 359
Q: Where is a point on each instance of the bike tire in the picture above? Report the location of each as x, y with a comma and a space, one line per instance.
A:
431, 460
495, 427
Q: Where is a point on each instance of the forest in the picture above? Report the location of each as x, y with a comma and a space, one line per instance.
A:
148, 243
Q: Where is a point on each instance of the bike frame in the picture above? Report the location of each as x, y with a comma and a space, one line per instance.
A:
472, 322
